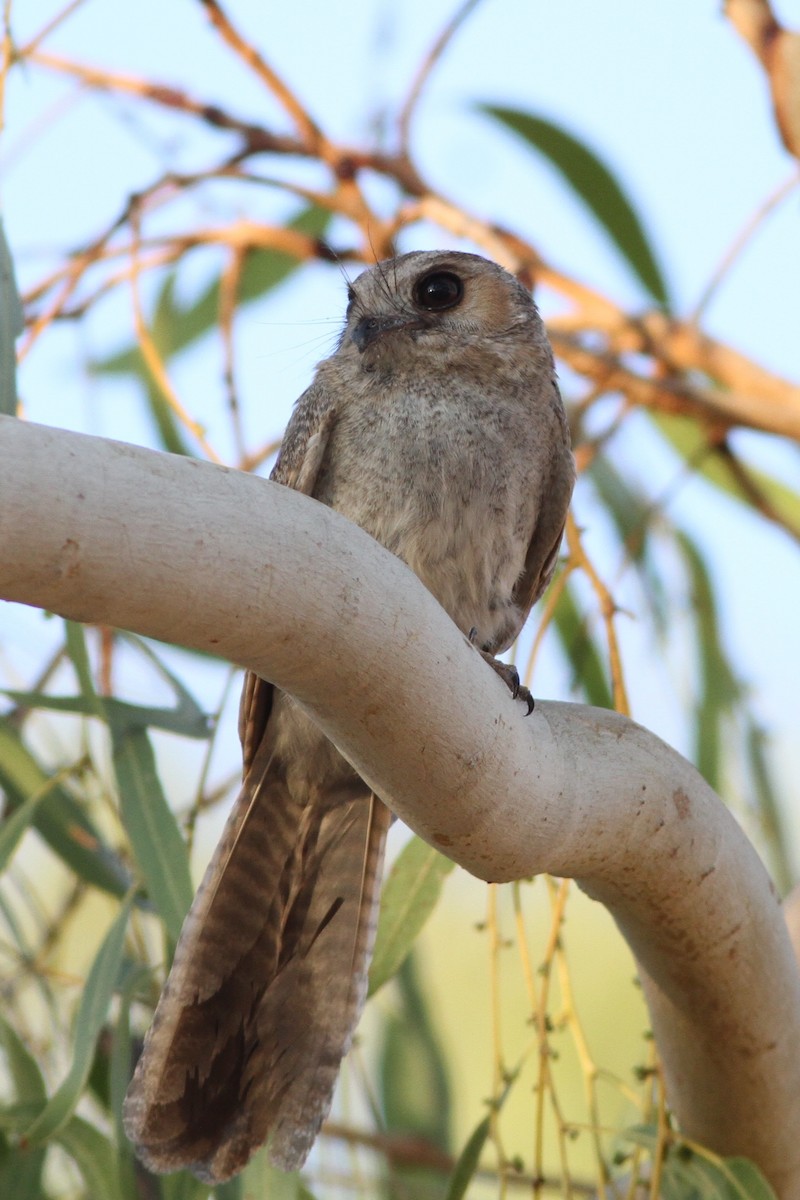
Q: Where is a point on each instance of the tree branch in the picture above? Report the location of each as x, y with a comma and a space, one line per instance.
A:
217, 560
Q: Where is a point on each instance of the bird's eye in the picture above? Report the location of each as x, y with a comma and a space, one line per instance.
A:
438, 291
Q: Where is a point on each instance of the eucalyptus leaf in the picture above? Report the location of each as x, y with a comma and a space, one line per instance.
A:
58, 818
157, 844
415, 1090
29, 1085
720, 689
92, 1012
690, 441
468, 1160
596, 185
94, 1155
12, 323
588, 672
408, 898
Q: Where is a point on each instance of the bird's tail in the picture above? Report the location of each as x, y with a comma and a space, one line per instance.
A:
266, 987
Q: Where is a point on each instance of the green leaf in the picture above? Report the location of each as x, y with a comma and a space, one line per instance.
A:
770, 809
176, 327
21, 1171
191, 724
746, 1181
468, 1160
589, 674
720, 690
233, 1189
260, 1178
156, 841
409, 896
29, 1085
12, 323
13, 827
186, 718
21, 1166
92, 1011
119, 1077
690, 441
686, 1175
79, 656
59, 819
632, 515
183, 1186
95, 1157
414, 1085
190, 720
598, 188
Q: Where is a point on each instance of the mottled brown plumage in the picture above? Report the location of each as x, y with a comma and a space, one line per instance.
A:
437, 426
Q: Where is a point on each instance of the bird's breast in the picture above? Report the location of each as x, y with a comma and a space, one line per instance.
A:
441, 478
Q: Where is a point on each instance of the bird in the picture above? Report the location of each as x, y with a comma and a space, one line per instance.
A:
437, 426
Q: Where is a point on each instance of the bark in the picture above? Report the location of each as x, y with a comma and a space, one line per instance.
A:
213, 559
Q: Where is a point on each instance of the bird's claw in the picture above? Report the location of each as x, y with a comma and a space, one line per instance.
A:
510, 676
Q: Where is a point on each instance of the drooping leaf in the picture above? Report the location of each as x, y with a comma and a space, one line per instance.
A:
92, 1011
468, 1160
597, 186
156, 841
158, 847
632, 515
120, 1070
589, 676
770, 810
687, 1175
233, 1189
409, 896
690, 441
21, 1169
12, 829
95, 1157
414, 1085
260, 1178
77, 651
719, 690
182, 1186
23, 1070
191, 724
58, 818
186, 718
12, 323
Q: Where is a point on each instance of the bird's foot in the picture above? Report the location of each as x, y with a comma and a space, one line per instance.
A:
508, 673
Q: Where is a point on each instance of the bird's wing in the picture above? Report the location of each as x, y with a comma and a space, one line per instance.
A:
302, 451
542, 555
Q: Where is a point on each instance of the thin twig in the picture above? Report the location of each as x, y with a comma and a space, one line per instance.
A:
738, 244
257, 139
51, 25
6, 58
307, 127
425, 70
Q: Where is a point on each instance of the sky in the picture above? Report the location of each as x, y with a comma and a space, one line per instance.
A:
667, 94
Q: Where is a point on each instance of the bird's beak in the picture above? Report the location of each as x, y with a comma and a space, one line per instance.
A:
371, 329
